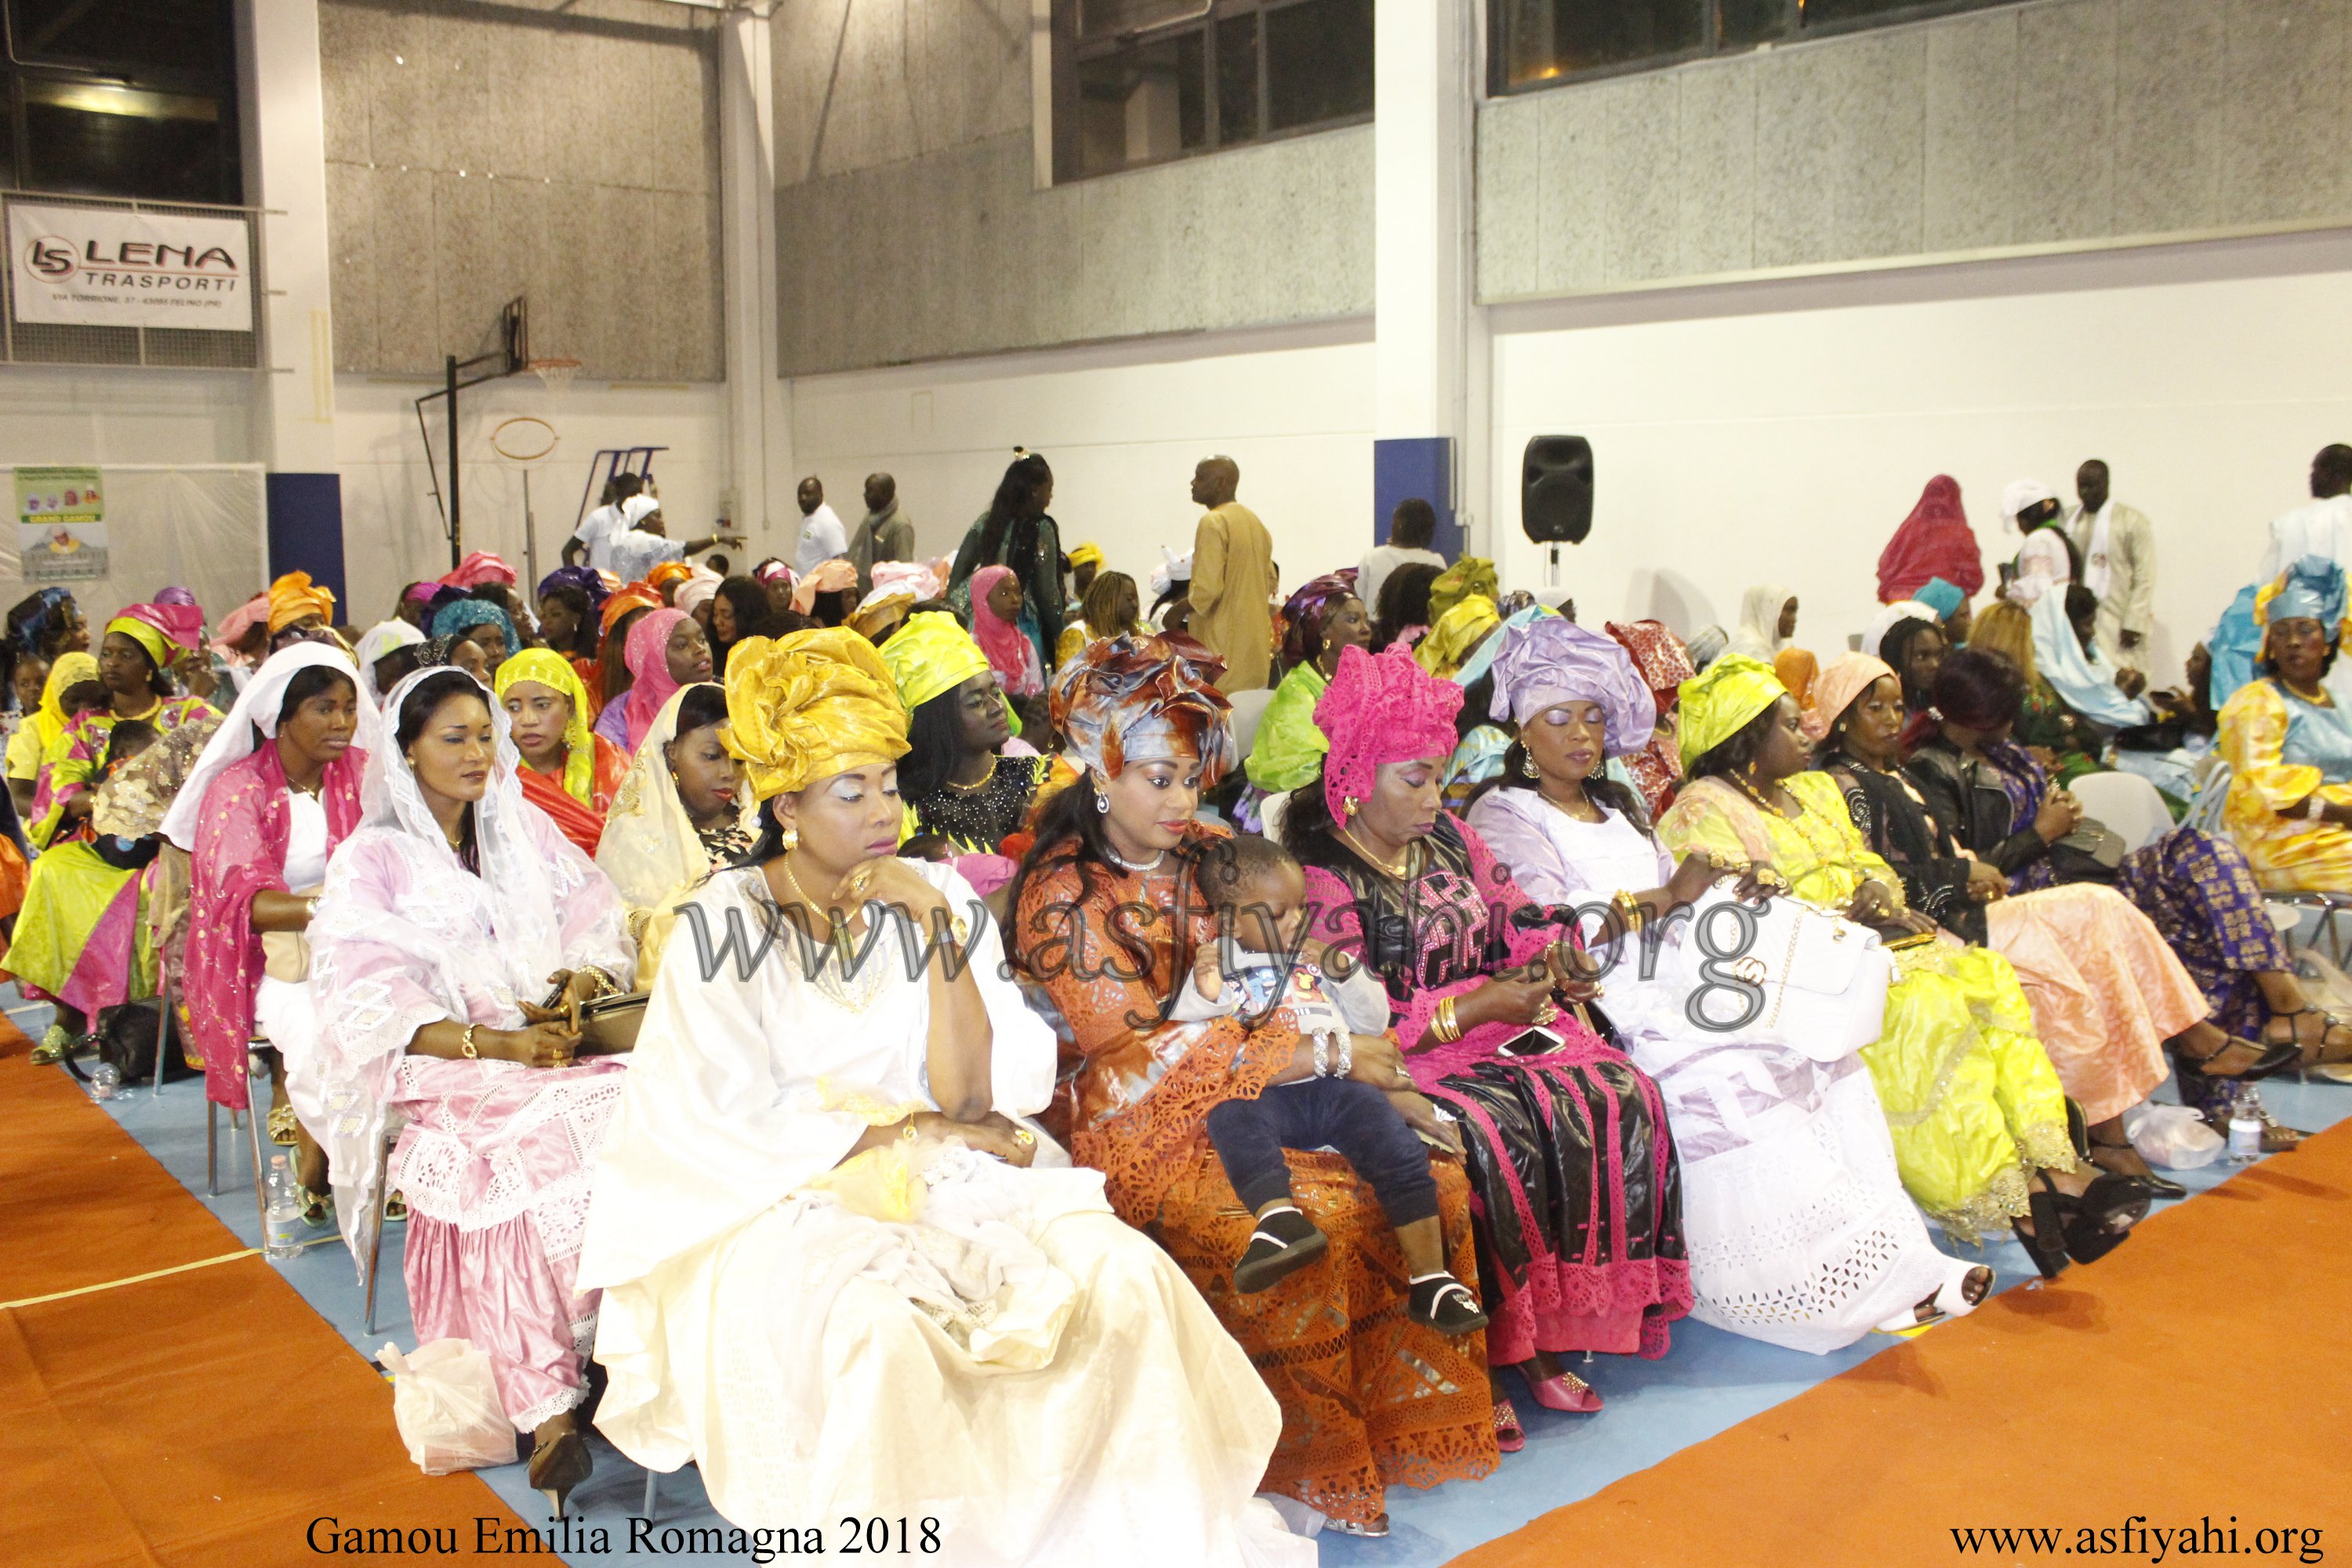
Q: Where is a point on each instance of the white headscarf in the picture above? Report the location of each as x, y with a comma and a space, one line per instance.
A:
1759, 636
700, 587
2083, 680
529, 873
637, 509
257, 706
1889, 617
382, 639
2023, 495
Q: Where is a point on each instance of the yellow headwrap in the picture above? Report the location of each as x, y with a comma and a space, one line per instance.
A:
930, 654
554, 671
1471, 574
146, 636
1720, 701
1456, 634
1086, 554
667, 572
809, 705
293, 596
71, 669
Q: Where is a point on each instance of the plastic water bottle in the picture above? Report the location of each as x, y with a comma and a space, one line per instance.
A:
282, 1217
105, 1079
2246, 1126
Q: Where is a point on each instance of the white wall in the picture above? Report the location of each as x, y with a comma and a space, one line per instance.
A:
1123, 429
85, 414
1779, 432
393, 535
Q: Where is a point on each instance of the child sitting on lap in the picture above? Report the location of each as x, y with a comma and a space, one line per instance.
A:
1261, 961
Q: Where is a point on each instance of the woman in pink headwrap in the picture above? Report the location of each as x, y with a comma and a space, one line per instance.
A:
1660, 661
1484, 986
667, 650
995, 625
1934, 540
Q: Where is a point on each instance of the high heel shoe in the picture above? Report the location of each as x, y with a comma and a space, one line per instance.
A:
558, 1466
2047, 1242
1563, 1390
2269, 1060
2158, 1186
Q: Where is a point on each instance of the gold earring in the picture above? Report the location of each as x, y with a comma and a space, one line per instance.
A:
1347, 805
1528, 766
790, 839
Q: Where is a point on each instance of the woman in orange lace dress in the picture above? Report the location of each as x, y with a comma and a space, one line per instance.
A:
1109, 919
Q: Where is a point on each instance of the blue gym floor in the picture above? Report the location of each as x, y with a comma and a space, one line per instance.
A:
1710, 1381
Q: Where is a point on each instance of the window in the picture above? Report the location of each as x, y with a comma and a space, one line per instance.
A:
1143, 81
122, 98
1537, 42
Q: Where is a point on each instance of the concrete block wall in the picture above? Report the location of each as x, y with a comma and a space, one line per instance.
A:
2037, 125
568, 151
910, 227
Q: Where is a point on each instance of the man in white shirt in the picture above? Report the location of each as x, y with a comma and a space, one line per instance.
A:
643, 542
2116, 545
822, 538
2322, 526
596, 530
1412, 526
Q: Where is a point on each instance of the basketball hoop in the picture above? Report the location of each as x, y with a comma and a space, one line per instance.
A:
554, 375
525, 438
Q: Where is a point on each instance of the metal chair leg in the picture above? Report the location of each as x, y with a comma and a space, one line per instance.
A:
253, 1120
375, 1249
211, 1147
162, 1028
653, 1483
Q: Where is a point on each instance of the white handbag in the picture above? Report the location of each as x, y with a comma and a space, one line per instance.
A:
1783, 973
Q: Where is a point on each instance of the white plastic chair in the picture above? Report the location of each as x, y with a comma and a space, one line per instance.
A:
1270, 813
1249, 707
2127, 802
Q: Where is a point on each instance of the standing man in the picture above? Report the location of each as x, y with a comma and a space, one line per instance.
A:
2321, 527
2118, 548
822, 538
1233, 577
885, 534
1412, 526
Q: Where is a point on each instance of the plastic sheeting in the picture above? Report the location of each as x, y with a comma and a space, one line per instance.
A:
204, 527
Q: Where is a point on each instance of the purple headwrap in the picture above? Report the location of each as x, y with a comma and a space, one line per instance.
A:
1303, 612
587, 579
176, 596
1549, 660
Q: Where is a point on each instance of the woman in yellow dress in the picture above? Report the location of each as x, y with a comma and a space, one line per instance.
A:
2289, 742
1980, 1125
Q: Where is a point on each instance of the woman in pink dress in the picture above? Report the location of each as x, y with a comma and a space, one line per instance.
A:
455, 925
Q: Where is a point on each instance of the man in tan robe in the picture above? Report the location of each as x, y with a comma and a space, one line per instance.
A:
1232, 577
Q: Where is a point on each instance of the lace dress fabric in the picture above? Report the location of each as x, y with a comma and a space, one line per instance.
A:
1369, 1398
1579, 1221
1799, 1230
1969, 1093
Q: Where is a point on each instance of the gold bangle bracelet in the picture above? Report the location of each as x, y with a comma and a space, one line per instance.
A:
466, 1046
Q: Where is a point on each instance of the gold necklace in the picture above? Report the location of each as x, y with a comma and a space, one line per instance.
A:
1748, 788
986, 779
1400, 870
1599, 816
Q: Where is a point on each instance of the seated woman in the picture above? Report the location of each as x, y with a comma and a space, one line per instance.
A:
1456, 634
1579, 1236
681, 812
43, 727
2045, 726
570, 599
387, 654
1915, 650
1981, 1126
1798, 1230
739, 609
569, 771
968, 1340
258, 822
621, 614
479, 621
2287, 740
2106, 992
1660, 661
2000, 805
1481, 740
1112, 606
72, 897
1110, 917
957, 781
455, 928
666, 650
1768, 619
1321, 621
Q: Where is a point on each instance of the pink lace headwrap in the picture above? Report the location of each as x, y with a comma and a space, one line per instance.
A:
1383, 709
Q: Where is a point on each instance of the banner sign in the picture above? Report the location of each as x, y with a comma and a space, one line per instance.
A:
60, 525
104, 267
